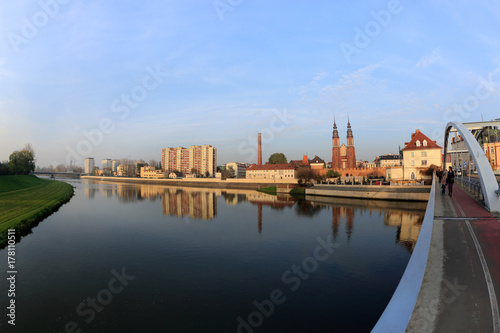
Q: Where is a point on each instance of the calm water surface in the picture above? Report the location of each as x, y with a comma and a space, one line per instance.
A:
133, 258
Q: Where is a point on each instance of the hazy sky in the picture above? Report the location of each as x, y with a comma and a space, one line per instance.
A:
113, 79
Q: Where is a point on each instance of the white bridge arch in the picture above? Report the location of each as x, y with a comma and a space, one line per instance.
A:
489, 184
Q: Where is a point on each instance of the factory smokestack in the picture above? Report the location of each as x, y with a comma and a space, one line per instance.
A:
260, 152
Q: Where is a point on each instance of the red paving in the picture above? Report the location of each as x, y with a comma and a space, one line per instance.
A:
486, 228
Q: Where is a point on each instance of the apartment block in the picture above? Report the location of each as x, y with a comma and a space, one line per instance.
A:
198, 158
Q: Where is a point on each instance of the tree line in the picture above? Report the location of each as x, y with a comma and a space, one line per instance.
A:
21, 162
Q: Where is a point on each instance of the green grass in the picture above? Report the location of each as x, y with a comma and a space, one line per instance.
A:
298, 190
270, 189
27, 200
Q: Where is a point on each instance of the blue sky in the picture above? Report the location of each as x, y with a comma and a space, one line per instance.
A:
138, 76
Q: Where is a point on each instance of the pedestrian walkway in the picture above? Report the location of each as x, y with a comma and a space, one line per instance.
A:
462, 279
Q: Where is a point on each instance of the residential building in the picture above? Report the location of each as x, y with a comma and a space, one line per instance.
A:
388, 160
114, 165
317, 163
89, 165
201, 159
272, 171
106, 163
151, 172
240, 169
418, 155
343, 156
125, 170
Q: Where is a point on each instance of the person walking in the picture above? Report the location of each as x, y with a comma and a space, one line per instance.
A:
439, 173
450, 179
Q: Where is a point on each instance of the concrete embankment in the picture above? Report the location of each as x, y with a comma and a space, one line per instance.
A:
242, 184
400, 193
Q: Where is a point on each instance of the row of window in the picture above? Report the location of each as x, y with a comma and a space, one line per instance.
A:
423, 153
424, 162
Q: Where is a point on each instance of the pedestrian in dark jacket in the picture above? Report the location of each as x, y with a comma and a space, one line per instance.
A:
450, 179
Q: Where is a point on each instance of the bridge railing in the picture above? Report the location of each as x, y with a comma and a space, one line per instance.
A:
398, 312
471, 185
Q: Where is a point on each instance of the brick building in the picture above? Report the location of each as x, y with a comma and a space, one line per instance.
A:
343, 156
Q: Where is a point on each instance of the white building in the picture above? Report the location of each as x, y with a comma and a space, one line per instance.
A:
106, 163
240, 169
114, 165
418, 155
89, 165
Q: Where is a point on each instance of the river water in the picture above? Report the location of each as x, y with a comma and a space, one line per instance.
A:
142, 258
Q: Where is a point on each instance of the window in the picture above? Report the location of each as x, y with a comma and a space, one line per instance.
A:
412, 175
417, 143
412, 154
412, 163
492, 150
424, 162
424, 154
425, 143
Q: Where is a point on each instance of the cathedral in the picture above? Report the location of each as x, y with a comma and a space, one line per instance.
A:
343, 157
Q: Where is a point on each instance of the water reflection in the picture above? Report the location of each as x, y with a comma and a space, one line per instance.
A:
201, 204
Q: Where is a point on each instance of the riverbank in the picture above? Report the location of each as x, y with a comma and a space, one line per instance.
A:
240, 184
26, 200
399, 193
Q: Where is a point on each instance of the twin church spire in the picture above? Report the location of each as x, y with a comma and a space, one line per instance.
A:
343, 157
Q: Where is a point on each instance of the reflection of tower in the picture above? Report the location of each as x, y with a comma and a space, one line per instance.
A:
260, 217
260, 152
350, 222
336, 147
335, 221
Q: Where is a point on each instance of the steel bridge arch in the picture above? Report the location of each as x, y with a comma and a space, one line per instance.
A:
489, 184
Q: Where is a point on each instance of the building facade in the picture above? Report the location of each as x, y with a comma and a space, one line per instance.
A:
89, 165
200, 159
114, 165
418, 155
240, 169
151, 172
388, 160
272, 171
125, 170
106, 163
343, 156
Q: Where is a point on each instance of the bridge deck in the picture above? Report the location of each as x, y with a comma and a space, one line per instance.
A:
462, 279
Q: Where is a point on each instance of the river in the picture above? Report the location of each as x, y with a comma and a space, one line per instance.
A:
143, 258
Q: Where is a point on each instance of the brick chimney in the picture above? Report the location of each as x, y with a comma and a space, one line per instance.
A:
260, 152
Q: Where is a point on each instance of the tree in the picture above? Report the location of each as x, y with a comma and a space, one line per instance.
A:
61, 168
207, 174
228, 172
332, 174
153, 163
4, 168
277, 158
305, 174
193, 170
22, 162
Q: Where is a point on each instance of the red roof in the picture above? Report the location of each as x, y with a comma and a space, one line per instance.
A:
287, 166
419, 136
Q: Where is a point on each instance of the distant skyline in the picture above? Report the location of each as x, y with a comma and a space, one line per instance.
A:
125, 79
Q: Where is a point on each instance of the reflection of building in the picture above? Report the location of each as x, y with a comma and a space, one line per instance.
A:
409, 225
192, 203
201, 158
89, 165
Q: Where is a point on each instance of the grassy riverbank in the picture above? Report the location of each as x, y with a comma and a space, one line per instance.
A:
27, 200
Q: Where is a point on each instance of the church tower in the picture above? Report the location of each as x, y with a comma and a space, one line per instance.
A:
336, 147
351, 155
